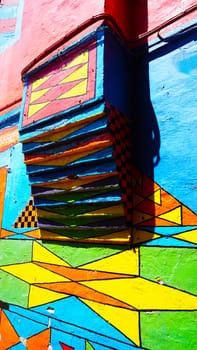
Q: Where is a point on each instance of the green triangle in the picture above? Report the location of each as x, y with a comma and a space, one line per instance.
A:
89, 346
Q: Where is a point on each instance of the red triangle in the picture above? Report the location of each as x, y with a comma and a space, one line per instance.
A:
9, 337
66, 347
39, 341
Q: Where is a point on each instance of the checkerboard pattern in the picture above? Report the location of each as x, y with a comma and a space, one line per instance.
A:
120, 132
28, 217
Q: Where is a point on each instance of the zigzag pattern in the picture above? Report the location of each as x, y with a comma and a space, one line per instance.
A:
71, 80
80, 182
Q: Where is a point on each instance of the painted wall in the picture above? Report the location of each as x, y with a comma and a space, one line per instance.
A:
97, 179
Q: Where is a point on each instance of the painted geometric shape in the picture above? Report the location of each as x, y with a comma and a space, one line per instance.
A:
80, 290
166, 330
24, 275
94, 207
61, 86
173, 215
66, 347
31, 273
156, 196
171, 265
9, 336
152, 296
79, 274
41, 254
39, 341
166, 211
25, 327
126, 321
28, 217
86, 321
189, 236
117, 263
89, 346
45, 296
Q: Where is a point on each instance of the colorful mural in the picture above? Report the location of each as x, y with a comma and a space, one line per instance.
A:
98, 221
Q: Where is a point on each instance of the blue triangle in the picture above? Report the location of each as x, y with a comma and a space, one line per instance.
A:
169, 242
24, 326
73, 311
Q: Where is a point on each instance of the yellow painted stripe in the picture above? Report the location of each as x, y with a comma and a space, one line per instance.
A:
37, 94
41, 254
80, 73
32, 273
82, 58
71, 155
39, 296
126, 262
79, 89
36, 108
145, 295
66, 129
39, 82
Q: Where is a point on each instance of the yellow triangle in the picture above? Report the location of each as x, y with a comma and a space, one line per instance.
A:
126, 321
79, 89
39, 296
143, 294
42, 254
39, 82
36, 108
82, 58
156, 197
37, 94
173, 215
80, 73
190, 236
126, 262
32, 273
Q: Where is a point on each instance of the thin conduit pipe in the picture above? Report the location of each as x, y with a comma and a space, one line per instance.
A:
91, 21
110, 21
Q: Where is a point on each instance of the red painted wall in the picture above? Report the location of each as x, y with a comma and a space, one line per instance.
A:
51, 22
39, 30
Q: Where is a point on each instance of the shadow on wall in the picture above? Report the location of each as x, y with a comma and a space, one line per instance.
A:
145, 132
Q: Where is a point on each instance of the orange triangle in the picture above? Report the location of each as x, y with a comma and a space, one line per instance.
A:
6, 233
39, 341
76, 274
33, 233
79, 290
188, 217
157, 222
9, 337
